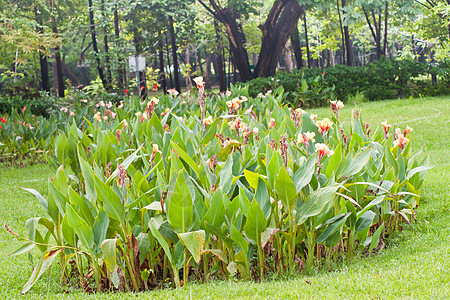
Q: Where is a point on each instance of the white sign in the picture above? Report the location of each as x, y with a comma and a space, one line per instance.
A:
136, 60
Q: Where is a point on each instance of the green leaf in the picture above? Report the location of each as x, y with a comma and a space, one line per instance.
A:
109, 250
100, 227
376, 238
263, 198
216, 213
365, 220
334, 160
357, 163
237, 237
194, 241
334, 224
152, 225
44, 263
226, 175
303, 175
88, 176
184, 156
111, 201
316, 202
285, 189
256, 222
180, 209
81, 228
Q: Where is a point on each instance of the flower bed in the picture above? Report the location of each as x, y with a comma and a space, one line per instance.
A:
192, 188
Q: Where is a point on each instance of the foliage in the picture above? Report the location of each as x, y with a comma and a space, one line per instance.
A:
383, 79
138, 197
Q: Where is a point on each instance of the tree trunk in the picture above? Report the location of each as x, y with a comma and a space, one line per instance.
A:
105, 41
348, 43
237, 43
188, 65
208, 71
308, 53
162, 74
72, 77
386, 15
120, 70
43, 59
220, 72
288, 57
57, 69
295, 40
94, 44
342, 32
176, 67
280, 23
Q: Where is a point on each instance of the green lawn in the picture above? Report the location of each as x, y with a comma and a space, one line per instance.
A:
414, 265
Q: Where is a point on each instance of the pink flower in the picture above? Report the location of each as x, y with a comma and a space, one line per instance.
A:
23, 109
272, 123
84, 100
324, 125
63, 109
109, 104
71, 113
228, 93
173, 92
200, 83
401, 141
120, 105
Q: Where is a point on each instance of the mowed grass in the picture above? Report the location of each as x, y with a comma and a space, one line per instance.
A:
414, 265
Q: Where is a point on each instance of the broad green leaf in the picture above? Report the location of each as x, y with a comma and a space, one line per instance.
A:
180, 209
81, 228
194, 241
357, 163
100, 227
303, 175
256, 222
285, 189
109, 250
226, 175
334, 160
376, 238
365, 220
184, 156
263, 198
152, 225
315, 203
88, 176
333, 225
44, 263
216, 213
237, 237
111, 201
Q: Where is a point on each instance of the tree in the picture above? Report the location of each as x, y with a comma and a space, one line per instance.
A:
279, 24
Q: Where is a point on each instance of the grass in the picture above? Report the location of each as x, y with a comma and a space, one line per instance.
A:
414, 265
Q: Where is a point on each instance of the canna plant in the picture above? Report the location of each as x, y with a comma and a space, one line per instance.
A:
174, 190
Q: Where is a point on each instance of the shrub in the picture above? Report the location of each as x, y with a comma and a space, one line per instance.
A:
383, 79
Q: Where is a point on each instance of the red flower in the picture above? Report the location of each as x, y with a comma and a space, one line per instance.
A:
323, 74
3, 120
0, 127
155, 87
125, 91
